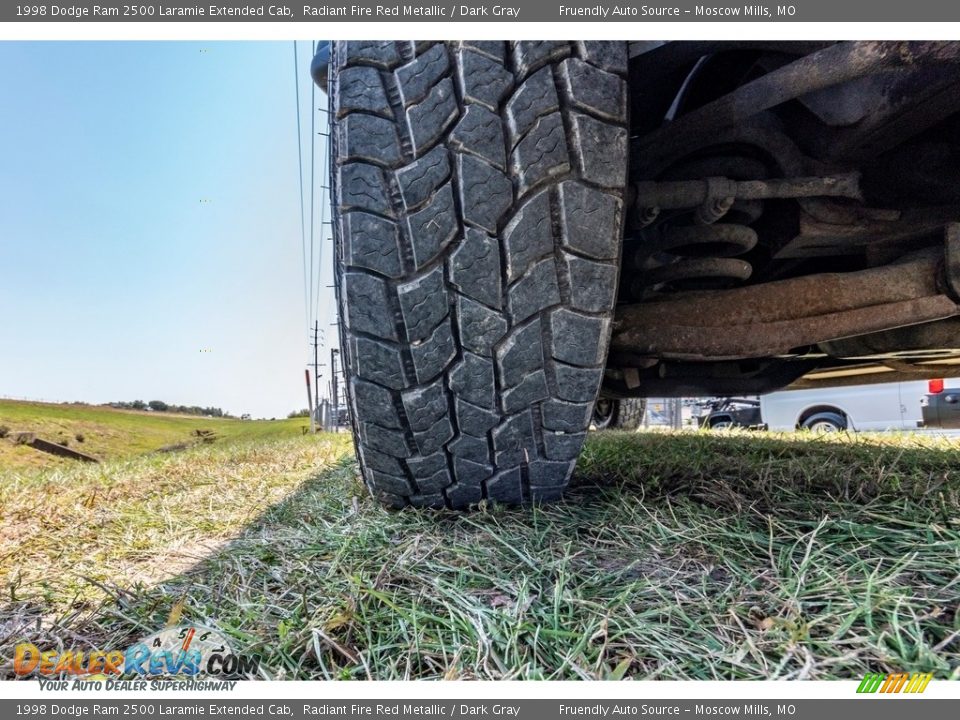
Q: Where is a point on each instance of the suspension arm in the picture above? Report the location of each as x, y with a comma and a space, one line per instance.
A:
778, 317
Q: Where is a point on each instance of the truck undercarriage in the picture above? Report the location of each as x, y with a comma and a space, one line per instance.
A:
792, 215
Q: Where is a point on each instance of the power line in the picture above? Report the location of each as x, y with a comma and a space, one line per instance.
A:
313, 164
325, 199
303, 232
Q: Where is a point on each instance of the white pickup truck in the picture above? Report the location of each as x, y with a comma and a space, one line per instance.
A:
885, 406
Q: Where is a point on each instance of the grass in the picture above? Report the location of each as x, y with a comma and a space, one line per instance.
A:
116, 434
674, 556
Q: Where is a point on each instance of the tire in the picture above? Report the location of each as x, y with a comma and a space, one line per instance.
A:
722, 423
825, 422
478, 193
619, 414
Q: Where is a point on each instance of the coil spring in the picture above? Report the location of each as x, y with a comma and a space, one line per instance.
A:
705, 254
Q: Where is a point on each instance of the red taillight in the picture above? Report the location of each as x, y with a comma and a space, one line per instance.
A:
935, 387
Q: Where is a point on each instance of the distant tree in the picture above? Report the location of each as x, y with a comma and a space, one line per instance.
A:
299, 413
158, 405
138, 405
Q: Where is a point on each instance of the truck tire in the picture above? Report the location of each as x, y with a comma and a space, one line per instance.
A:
478, 209
825, 422
619, 414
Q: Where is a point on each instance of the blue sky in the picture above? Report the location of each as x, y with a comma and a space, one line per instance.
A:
149, 210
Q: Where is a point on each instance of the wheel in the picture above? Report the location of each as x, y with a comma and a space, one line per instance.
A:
604, 412
621, 414
825, 422
478, 193
721, 424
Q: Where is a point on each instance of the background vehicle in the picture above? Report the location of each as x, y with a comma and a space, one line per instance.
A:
940, 407
884, 406
723, 413
521, 227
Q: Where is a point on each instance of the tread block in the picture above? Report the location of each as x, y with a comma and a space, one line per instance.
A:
579, 339
520, 354
371, 242
382, 53
378, 461
370, 138
388, 483
545, 493
482, 79
562, 445
485, 192
537, 96
374, 403
429, 119
577, 384
361, 89
425, 405
566, 416
428, 416
469, 447
420, 178
431, 500
531, 54
362, 187
549, 473
431, 356
590, 220
368, 309
378, 362
470, 472
493, 48
529, 235
480, 133
506, 487
542, 153
472, 379
600, 148
415, 79
514, 442
606, 55
436, 482
423, 303
533, 292
593, 285
475, 267
389, 442
473, 419
462, 495
432, 228
594, 90
531, 389
480, 327
426, 466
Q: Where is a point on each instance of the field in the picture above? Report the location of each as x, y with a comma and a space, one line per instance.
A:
674, 556
115, 434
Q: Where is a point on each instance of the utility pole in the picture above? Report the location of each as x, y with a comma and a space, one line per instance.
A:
333, 380
306, 374
316, 364
316, 369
